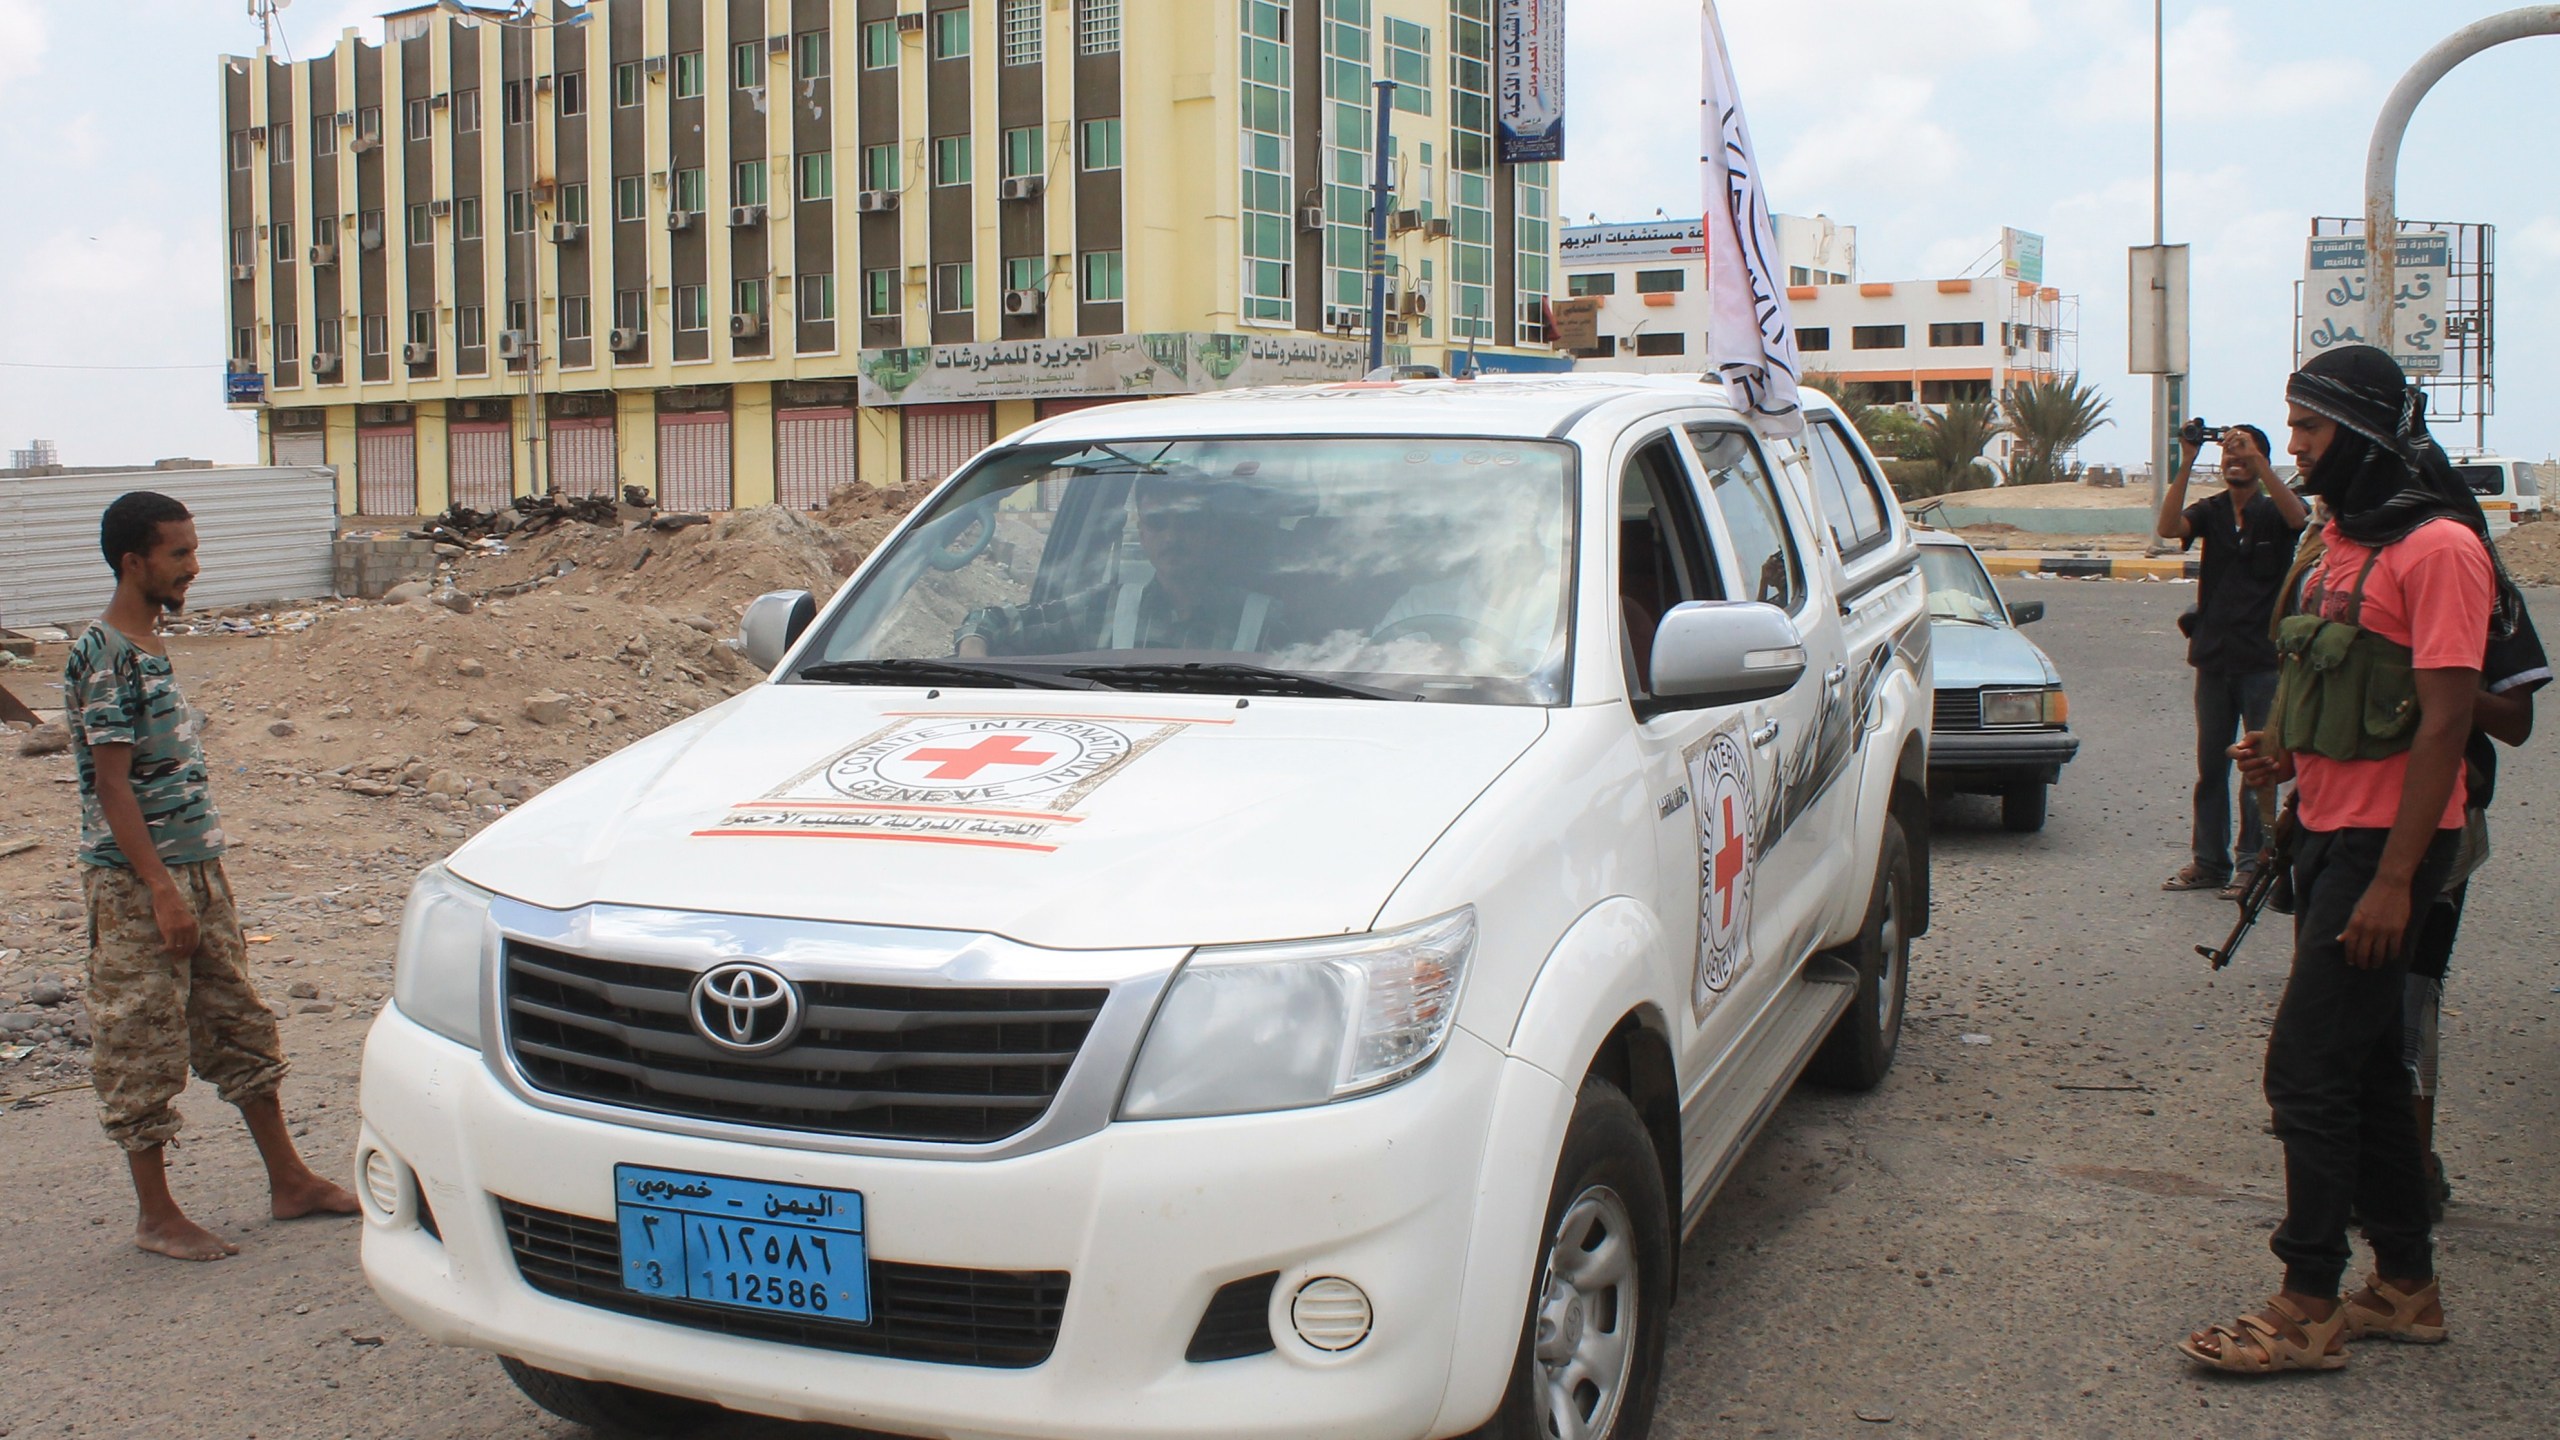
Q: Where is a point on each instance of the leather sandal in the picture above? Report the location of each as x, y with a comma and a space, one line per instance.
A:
2378, 1310
2279, 1338
2189, 877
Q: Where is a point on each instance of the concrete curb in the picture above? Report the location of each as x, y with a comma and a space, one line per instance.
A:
2092, 567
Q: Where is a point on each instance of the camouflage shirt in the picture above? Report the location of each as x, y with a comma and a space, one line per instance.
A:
116, 693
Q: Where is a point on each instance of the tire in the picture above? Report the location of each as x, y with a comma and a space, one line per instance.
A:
1860, 1048
1608, 1201
609, 1409
2022, 806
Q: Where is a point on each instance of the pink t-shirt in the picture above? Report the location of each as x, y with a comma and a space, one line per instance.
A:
2431, 592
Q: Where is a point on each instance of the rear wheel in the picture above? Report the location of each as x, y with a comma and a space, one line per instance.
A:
609, 1409
1860, 1048
2022, 806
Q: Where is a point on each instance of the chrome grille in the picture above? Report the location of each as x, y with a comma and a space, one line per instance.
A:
1957, 710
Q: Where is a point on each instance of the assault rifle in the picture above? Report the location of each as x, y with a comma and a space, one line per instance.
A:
2273, 864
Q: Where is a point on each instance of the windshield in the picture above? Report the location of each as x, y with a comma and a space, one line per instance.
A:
1428, 568
1958, 589
2483, 479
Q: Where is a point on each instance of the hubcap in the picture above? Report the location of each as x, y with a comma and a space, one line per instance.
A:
1889, 961
1585, 1345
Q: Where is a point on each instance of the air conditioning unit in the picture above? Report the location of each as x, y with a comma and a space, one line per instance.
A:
325, 253
654, 65
541, 84
439, 208
1023, 187
324, 362
1311, 217
1416, 299
346, 119
743, 327
910, 22
744, 217
257, 134
369, 239
777, 44
1437, 227
1024, 302
363, 143
510, 344
875, 202
244, 272
415, 353
621, 341
679, 219
567, 232
439, 100
1404, 220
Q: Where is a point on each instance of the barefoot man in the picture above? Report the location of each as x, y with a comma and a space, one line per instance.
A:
168, 980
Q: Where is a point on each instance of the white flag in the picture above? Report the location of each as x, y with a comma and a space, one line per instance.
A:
1751, 342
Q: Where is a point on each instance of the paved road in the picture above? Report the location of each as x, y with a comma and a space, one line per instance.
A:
1970, 1251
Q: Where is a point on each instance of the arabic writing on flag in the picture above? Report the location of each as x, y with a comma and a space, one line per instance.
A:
1751, 343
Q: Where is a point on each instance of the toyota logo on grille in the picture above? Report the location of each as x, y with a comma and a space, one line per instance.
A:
745, 1008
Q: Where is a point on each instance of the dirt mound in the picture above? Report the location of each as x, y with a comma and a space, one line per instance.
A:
2532, 553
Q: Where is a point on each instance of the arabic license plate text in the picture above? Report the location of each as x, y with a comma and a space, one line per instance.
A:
751, 1244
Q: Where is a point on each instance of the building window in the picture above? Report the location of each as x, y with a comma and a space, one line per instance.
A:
693, 307
470, 327
577, 317
518, 95
569, 92
244, 344
817, 297
422, 226
422, 119
1268, 223
1022, 151
1021, 32
1097, 27
955, 288
880, 45
688, 68
1591, 285
369, 228
422, 328
630, 198
466, 217
466, 111
1102, 143
1470, 302
377, 334
1956, 334
572, 206
746, 65
690, 191
818, 175
324, 135
749, 295
1661, 282
239, 149
1670, 342
288, 344
950, 34
1875, 337
628, 86
1101, 277
369, 123
244, 249
747, 186
283, 235
1817, 338
327, 334
880, 167
280, 145
519, 211
1022, 272
879, 292
812, 59
951, 160
1408, 48
520, 318
631, 310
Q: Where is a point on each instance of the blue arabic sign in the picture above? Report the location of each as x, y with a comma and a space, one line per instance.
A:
244, 387
1528, 101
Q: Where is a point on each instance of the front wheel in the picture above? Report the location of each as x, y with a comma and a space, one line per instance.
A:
2022, 806
1861, 1045
1590, 1354
609, 1409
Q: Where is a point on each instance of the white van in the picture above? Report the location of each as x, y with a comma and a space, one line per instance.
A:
1265, 915
2509, 489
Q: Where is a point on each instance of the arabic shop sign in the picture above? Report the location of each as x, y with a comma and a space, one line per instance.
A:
244, 387
1652, 240
2336, 284
1103, 366
1528, 98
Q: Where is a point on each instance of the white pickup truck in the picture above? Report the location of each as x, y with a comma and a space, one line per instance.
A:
1260, 915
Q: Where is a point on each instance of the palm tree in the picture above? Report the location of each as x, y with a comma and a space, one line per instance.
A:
1953, 438
2049, 418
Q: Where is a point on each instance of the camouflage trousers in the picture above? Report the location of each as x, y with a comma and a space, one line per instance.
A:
154, 1015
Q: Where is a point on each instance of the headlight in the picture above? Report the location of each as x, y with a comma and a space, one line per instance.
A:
437, 979
1274, 1027
2025, 707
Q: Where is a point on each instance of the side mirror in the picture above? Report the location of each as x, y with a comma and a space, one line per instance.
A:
774, 620
1725, 652
2026, 612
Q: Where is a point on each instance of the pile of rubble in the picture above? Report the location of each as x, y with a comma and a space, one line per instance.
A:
47, 1021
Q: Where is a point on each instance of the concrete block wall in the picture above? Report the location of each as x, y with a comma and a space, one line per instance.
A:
367, 567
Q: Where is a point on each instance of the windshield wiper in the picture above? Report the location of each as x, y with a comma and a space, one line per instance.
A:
927, 672
1230, 678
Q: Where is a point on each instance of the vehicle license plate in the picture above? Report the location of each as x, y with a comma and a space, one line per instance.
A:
744, 1243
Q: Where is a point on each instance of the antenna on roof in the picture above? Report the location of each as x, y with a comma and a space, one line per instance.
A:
264, 12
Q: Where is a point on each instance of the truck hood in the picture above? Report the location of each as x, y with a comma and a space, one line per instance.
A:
1073, 820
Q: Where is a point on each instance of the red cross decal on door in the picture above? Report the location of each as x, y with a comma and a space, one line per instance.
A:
1728, 862
965, 764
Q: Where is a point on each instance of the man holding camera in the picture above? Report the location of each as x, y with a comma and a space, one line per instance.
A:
2248, 533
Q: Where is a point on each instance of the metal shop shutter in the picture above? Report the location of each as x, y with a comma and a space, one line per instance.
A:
300, 447
483, 473
938, 439
812, 455
387, 470
693, 461
582, 459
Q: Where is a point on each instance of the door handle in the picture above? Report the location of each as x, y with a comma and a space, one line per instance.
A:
1834, 675
1765, 735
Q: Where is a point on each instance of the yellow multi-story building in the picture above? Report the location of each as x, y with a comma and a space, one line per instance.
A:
740, 251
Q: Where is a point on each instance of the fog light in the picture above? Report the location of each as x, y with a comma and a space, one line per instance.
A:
1330, 1313
381, 1176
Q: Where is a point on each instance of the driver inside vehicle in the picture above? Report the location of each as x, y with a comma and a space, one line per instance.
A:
1203, 545
1486, 601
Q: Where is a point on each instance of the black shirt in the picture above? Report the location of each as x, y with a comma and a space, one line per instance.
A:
2513, 664
2242, 569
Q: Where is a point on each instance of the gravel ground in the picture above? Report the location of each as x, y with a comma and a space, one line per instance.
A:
1970, 1251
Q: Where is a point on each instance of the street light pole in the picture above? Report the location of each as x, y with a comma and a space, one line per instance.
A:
2160, 383
1379, 198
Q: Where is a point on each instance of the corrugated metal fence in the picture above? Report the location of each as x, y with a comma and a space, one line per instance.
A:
266, 534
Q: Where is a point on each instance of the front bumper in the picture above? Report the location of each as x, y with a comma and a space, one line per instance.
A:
1962, 755
1148, 1218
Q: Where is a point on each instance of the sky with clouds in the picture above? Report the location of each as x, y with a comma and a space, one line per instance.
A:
1927, 125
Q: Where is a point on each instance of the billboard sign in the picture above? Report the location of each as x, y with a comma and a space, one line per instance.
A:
244, 387
1658, 240
2336, 284
2022, 256
1128, 367
1528, 99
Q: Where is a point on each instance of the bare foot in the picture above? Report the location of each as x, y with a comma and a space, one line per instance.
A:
180, 1238
308, 1194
